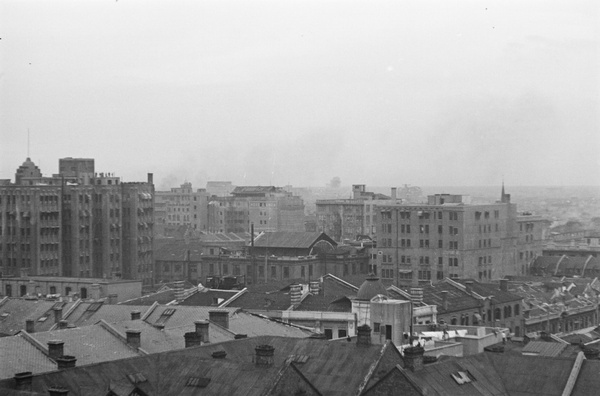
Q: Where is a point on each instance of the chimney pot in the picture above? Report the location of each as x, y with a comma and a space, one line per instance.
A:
66, 361
136, 315
445, 300
113, 299
30, 326
23, 380
219, 355
364, 335
264, 355
295, 295
55, 349
63, 324
202, 329
134, 338
57, 314
413, 357
219, 317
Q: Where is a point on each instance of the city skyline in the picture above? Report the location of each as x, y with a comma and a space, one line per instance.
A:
425, 93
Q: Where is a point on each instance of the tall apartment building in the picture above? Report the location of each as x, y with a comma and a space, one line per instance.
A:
450, 237
350, 218
77, 223
182, 206
268, 208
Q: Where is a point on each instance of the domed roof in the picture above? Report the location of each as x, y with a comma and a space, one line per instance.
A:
371, 287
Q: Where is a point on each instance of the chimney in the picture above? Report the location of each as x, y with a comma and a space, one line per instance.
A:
95, 291
416, 294
315, 287
58, 391
219, 317
30, 326
364, 335
295, 295
504, 285
65, 362
394, 194
159, 326
413, 358
202, 329
150, 178
219, 355
264, 355
469, 287
445, 300
179, 290
136, 315
113, 299
63, 324
57, 314
23, 380
192, 339
134, 338
55, 349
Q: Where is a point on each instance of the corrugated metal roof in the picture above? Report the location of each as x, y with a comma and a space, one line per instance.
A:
288, 239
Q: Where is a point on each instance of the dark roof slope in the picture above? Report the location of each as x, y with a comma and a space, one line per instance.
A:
15, 311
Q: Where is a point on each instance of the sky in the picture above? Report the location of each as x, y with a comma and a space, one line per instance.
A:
380, 93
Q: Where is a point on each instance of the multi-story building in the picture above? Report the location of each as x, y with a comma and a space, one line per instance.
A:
350, 218
269, 208
182, 206
77, 223
450, 237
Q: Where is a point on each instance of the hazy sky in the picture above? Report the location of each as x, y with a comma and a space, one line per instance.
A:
277, 92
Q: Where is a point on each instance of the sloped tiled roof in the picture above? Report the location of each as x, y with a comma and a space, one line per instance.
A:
325, 304
543, 348
262, 301
161, 297
336, 369
176, 250
83, 316
208, 297
15, 311
89, 344
18, 355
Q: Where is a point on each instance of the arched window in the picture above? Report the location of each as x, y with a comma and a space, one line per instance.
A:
508, 311
517, 306
23, 290
453, 321
52, 289
67, 291
9, 290
83, 292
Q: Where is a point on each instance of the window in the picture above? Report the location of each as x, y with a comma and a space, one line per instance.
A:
342, 333
83, 293
52, 289
286, 272
517, 306
273, 272
441, 244
376, 327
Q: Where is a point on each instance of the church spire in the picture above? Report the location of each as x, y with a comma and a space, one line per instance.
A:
504, 198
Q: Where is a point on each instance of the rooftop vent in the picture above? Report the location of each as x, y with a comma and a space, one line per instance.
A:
462, 377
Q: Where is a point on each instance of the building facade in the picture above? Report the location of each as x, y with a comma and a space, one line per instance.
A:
75, 223
450, 237
182, 206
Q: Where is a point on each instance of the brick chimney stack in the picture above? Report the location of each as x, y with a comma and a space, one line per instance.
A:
264, 355
136, 315
30, 326
134, 338
219, 317
57, 314
413, 358
445, 300
55, 349
364, 335
23, 380
315, 287
192, 339
66, 361
416, 294
202, 329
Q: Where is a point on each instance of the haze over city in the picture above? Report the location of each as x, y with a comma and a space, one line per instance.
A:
260, 93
